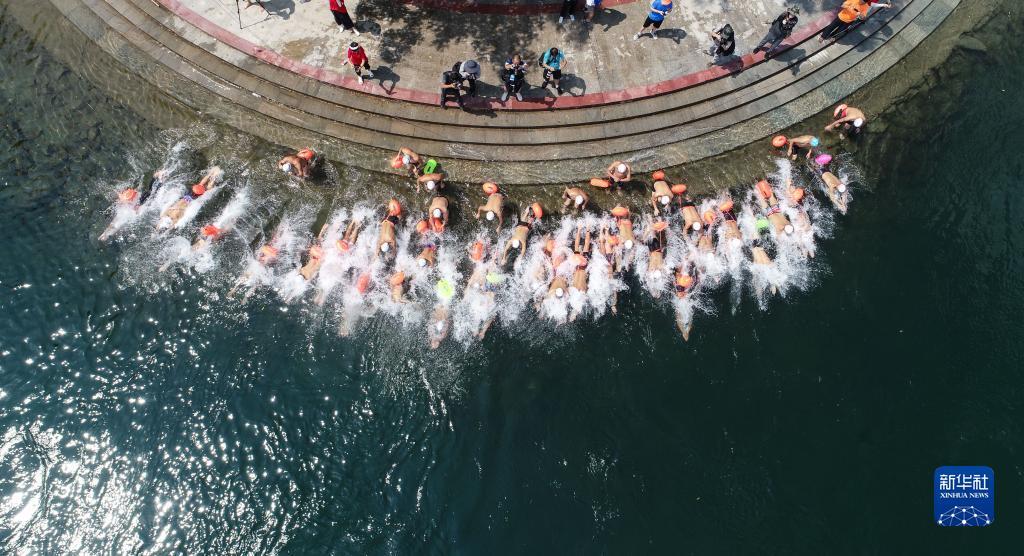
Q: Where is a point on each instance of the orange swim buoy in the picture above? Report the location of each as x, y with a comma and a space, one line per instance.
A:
476, 252
398, 278
779, 141
725, 206
128, 195
684, 280
660, 226
840, 111
709, 217
210, 231
396, 162
316, 252
679, 188
620, 211
490, 187
268, 252
764, 188
422, 227
198, 189
306, 154
798, 194
363, 283
394, 208
598, 182
538, 211
343, 245
658, 175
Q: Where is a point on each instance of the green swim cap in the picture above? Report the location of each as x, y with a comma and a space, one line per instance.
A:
444, 289
430, 166
494, 278
762, 224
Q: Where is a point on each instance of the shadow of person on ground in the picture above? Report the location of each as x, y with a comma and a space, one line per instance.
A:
794, 57
608, 18
732, 63
573, 84
676, 35
280, 8
384, 74
368, 26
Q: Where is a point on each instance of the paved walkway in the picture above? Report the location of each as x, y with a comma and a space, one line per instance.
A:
413, 41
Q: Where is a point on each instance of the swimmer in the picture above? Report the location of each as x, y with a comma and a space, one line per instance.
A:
387, 245
134, 198
619, 172
427, 257
691, 219
493, 208
803, 142
437, 329
836, 190
314, 255
556, 290
433, 183
298, 164
438, 211
849, 121
398, 282
765, 196
408, 159
264, 256
581, 258
625, 227
661, 198
684, 284
576, 198
729, 224
349, 238
175, 212
656, 260
758, 254
608, 245
520, 235
796, 197
705, 242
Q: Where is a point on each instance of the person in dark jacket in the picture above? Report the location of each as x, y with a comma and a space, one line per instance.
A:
780, 29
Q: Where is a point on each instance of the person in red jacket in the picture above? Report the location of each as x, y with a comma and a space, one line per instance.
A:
341, 16
357, 57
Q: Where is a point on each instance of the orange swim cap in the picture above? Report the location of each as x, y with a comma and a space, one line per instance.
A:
620, 211
658, 175
396, 162
779, 141
684, 280
422, 227
394, 208
798, 194
679, 188
128, 195
538, 211
598, 182
725, 206
490, 187
306, 154
397, 278
476, 252
709, 217
198, 189
764, 188
210, 231
363, 283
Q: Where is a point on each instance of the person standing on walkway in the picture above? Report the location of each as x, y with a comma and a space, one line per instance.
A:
357, 57
551, 62
592, 7
724, 43
659, 9
781, 28
469, 71
568, 7
851, 12
451, 87
341, 16
514, 77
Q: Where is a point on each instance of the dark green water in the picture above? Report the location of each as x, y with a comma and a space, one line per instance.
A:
147, 414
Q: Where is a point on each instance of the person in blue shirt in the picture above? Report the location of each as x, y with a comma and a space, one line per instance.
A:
551, 62
659, 9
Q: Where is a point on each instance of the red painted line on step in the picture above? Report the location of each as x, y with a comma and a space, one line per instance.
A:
432, 97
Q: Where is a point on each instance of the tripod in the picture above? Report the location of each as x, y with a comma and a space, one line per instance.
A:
248, 4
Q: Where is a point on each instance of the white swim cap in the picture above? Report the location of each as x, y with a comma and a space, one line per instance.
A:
490, 215
559, 292
858, 122
439, 325
421, 262
385, 247
656, 273
789, 228
406, 159
431, 185
696, 226
437, 213
665, 199
621, 168
286, 167
515, 243
841, 188
579, 200
628, 244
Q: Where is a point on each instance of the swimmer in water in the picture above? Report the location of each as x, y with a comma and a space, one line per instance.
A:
315, 255
576, 198
438, 211
398, 287
409, 160
801, 221
556, 290
438, 325
836, 189
264, 256
624, 227
387, 245
661, 198
691, 219
765, 196
581, 258
428, 255
656, 260
729, 224
619, 172
610, 247
434, 183
849, 121
298, 164
520, 235
705, 242
683, 284
802, 143
493, 208
135, 198
173, 213
758, 254
344, 246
